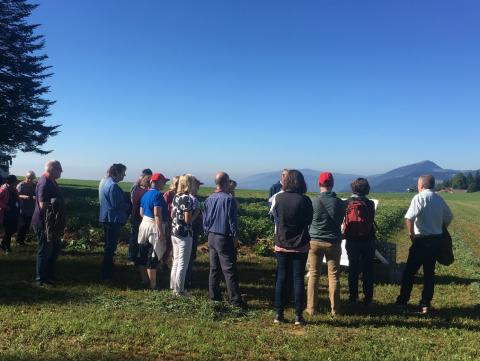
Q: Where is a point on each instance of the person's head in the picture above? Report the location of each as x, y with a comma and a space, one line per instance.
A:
174, 184
11, 180
144, 181
117, 172
146, 172
222, 181
53, 169
426, 181
195, 189
325, 181
232, 185
294, 182
360, 187
186, 183
283, 175
30, 176
158, 180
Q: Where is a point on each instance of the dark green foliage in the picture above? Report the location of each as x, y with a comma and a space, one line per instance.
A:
23, 106
459, 181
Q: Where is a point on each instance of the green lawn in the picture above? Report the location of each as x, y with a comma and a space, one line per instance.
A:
81, 319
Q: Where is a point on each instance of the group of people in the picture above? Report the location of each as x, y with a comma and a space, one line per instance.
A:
169, 224
40, 205
310, 230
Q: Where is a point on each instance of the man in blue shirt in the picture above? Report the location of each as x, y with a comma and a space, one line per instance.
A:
220, 223
113, 215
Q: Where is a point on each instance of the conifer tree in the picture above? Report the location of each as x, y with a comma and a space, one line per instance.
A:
23, 105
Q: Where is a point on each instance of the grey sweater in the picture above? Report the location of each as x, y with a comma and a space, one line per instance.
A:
327, 219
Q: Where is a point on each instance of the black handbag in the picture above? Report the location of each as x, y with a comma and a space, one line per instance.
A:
445, 249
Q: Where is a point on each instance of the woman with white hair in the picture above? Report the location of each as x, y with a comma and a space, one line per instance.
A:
26, 195
182, 233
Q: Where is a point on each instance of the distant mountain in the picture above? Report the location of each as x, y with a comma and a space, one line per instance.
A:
396, 180
265, 180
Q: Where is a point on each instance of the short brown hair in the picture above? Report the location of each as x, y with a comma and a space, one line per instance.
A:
294, 182
116, 169
360, 187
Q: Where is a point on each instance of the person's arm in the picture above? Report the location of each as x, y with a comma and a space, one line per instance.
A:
447, 216
232, 218
410, 228
157, 211
141, 212
308, 211
410, 216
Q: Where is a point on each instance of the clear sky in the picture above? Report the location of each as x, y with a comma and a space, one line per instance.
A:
253, 86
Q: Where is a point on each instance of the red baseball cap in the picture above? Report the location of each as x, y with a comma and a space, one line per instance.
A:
159, 176
325, 179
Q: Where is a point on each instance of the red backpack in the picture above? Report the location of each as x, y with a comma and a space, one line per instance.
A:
358, 222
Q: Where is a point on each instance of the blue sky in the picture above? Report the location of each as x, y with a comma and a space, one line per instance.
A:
253, 86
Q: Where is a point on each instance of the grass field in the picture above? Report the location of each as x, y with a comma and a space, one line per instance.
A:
82, 319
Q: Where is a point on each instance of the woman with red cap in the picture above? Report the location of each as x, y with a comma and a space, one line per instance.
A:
326, 237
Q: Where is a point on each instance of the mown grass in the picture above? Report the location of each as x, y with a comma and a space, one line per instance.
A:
82, 319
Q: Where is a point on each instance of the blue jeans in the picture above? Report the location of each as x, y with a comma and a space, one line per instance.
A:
111, 233
360, 259
294, 263
47, 254
133, 242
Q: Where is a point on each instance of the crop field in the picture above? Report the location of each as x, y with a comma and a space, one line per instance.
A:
83, 319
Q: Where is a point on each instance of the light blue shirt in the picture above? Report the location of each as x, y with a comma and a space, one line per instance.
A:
113, 206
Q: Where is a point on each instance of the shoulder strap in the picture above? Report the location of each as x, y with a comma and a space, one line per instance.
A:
324, 208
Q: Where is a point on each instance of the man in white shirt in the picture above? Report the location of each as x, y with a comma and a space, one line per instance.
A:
427, 215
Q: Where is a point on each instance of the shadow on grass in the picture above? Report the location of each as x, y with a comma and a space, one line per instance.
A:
389, 316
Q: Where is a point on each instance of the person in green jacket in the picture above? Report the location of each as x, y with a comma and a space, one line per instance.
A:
326, 236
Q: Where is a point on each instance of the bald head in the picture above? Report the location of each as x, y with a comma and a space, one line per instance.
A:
222, 181
426, 182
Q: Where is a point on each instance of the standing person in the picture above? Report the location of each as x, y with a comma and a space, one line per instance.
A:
326, 237
151, 234
26, 195
48, 221
182, 234
425, 219
277, 187
9, 194
292, 214
197, 231
138, 190
220, 223
359, 232
168, 197
113, 215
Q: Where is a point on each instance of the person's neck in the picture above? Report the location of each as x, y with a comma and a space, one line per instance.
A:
220, 189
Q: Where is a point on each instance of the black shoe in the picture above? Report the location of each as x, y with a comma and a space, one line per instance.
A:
242, 306
279, 318
50, 283
299, 320
353, 301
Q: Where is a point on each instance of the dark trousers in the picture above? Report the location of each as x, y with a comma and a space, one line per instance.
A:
193, 257
360, 259
23, 228
47, 254
111, 234
421, 253
290, 263
10, 227
222, 259
133, 242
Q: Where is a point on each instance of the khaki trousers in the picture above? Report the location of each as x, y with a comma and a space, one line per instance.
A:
332, 252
